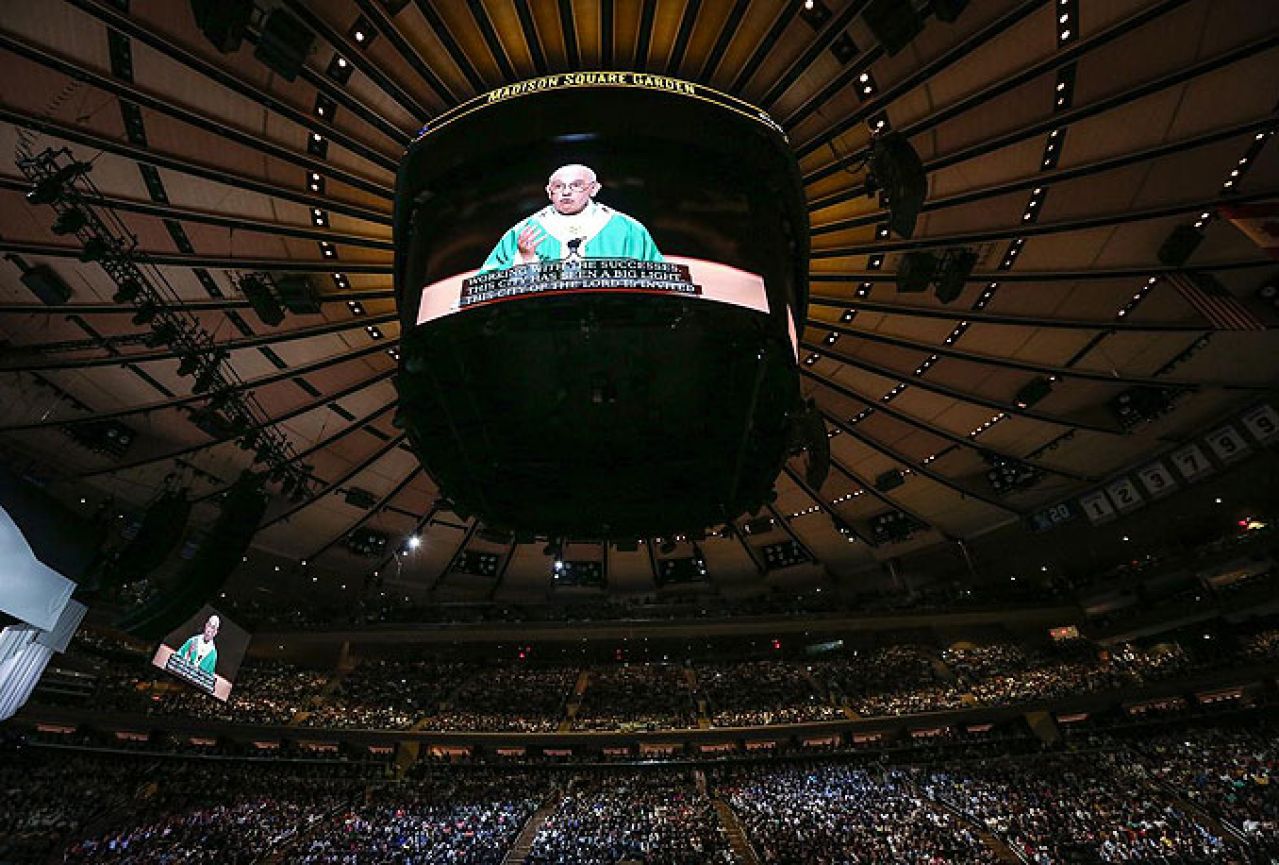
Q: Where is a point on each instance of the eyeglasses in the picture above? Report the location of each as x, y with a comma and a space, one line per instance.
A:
576, 186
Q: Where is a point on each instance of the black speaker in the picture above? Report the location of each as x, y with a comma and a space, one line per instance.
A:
203, 576
223, 22
889, 480
1179, 246
46, 285
298, 295
915, 271
900, 173
894, 22
949, 10
162, 528
258, 294
955, 267
1033, 391
284, 44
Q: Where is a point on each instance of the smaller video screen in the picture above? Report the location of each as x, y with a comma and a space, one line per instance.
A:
205, 652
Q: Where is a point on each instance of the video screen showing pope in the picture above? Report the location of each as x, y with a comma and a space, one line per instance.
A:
205, 652
573, 226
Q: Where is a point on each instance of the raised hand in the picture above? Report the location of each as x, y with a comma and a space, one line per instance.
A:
530, 236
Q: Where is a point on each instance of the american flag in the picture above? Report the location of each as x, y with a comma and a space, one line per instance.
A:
1211, 300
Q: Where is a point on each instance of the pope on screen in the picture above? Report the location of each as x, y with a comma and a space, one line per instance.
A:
199, 650
574, 225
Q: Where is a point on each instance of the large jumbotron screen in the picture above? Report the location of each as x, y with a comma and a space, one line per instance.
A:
593, 204
600, 279
205, 652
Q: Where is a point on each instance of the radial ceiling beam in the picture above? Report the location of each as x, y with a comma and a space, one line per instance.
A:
377, 508
450, 43
821, 503
182, 165
177, 402
192, 116
1005, 84
283, 265
494, 43
881, 101
232, 223
1047, 178
325, 489
862, 305
687, 21
916, 468
884, 498
326, 442
357, 56
305, 407
1076, 114
1038, 229
387, 27
726, 33
1039, 369
122, 23
532, 40
837, 24
461, 548
956, 394
644, 35
785, 17
221, 304
956, 439
1012, 276
227, 345
568, 28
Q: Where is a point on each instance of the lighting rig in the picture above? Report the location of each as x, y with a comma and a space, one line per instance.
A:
63, 183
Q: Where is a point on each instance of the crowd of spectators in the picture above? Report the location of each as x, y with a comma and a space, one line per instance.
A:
1193, 792
636, 697
508, 698
893, 680
832, 815
656, 818
446, 818
1078, 808
1233, 773
388, 694
756, 693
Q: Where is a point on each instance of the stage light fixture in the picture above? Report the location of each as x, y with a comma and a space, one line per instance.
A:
70, 221
95, 249
162, 335
146, 313
50, 189
128, 290
897, 169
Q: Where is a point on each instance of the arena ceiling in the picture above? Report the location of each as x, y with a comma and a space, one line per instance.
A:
1064, 140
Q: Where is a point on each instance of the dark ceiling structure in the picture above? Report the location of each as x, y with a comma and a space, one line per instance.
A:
1064, 141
